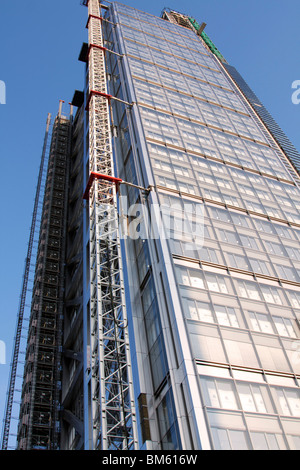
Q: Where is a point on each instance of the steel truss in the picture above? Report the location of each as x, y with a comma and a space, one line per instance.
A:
112, 397
20, 329
40, 407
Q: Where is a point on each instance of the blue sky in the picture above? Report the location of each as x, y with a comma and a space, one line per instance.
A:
40, 42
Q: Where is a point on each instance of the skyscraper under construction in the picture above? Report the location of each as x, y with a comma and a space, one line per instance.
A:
166, 298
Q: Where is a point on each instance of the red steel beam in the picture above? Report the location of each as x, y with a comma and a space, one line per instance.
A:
94, 92
93, 16
97, 47
102, 48
99, 176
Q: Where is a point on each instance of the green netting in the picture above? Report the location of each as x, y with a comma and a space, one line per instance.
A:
207, 40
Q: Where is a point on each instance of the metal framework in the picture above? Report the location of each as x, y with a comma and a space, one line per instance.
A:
40, 407
23, 296
112, 403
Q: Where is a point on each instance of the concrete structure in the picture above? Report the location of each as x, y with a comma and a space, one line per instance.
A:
179, 326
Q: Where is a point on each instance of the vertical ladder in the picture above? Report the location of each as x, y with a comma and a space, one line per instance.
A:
112, 398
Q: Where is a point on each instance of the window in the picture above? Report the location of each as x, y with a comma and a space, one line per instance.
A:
205, 312
288, 401
219, 393
263, 195
223, 183
220, 214
231, 200
194, 278
248, 242
293, 253
218, 168
199, 161
179, 225
157, 354
254, 206
249, 290
295, 441
198, 310
293, 190
229, 237
238, 261
168, 426
182, 247
259, 266
261, 322
238, 174
285, 327
275, 248
226, 316
283, 201
246, 190
190, 277
294, 299
240, 220
264, 226
158, 149
250, 397
286, 272
292, 216
253, 397
208, 254
212, 195
176, 155
254, 178
161, 165
216, 283
168, 183
186, 188
230, 439
267, 441
206, 178
271, 294
178, 170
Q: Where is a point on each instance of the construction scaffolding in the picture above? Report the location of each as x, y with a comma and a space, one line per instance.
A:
17, 365
112, 409
39, 426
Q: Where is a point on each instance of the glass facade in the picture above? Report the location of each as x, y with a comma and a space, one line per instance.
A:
214, 325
